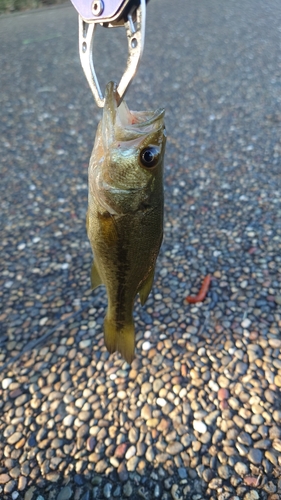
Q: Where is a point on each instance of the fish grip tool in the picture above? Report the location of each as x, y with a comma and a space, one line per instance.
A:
132, 16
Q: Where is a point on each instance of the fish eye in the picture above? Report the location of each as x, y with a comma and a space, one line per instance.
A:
149, 156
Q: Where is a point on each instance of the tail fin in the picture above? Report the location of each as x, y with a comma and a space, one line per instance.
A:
120, 339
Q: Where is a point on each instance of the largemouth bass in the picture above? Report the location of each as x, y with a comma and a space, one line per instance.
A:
125, 212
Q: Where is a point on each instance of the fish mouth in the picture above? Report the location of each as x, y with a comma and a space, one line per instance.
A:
121, 124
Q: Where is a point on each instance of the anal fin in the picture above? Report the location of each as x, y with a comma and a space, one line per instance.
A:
145, 289
95, 277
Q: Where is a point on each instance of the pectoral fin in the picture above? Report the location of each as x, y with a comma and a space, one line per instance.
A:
145, 289
95, 277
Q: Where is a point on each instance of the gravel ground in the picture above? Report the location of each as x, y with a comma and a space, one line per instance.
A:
197, 414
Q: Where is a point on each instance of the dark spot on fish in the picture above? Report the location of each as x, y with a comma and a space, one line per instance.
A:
144, 205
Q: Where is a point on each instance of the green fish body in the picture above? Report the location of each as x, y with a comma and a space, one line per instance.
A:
125, 213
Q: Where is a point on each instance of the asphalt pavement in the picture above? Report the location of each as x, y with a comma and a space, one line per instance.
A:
197, 414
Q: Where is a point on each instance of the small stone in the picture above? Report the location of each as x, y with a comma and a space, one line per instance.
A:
4, 478
241, 368
79, 479
83, 431
199, 426
6, 382
84, 343
263, 444
96, 480
276, 444
174, 448
15, 472
9, 486
149, 455
65, 493
146, 412
277, 299
121, 450
251, 495
14, 438
246, 323
223, 394
122, 472
223, 381
255, 456
152, 422
161, 402
84, 416
101, 466
275, 343
132, 463
146, 345
270, 396
127, 489
270, 455
175, 492
91, 443
121, 395
117, 492
22, 483
241, 469
215, 483
68, 420
157, 491
107, 490
182, 473
208, 475
29, 493
275, 432
130, 452
212, 417
21, 400
244, 438
133, 435
224, 471
257, 419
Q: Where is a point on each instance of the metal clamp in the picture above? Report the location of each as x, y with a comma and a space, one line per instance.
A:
103, 11
135, 35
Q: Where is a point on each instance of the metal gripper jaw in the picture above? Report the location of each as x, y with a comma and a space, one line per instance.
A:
132, 18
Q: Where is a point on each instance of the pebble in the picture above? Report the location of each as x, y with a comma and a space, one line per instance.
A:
65, 493
241, 469
130, 452
6, 382
252, 495
224, 471
146, 346
127, 489
255, 456
4, 478
107, 490
223, 394
175, 492
174, 448
246, 323
199, 426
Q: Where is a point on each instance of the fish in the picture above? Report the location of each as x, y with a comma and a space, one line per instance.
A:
125, 212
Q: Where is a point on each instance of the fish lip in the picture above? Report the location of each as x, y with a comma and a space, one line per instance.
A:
119, 121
